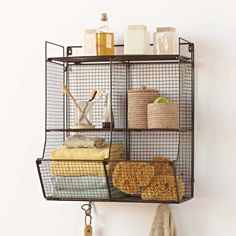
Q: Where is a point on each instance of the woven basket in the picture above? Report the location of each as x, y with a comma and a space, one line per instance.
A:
163, 116
138, 99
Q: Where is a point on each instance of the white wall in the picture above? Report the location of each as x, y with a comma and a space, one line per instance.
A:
25, 25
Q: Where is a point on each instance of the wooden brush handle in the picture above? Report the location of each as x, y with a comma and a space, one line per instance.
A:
66, 90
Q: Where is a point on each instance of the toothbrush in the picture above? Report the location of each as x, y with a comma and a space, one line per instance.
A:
97, 96
66, 91
91, 97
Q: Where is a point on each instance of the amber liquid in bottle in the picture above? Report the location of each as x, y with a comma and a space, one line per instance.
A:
105, 43
104, 38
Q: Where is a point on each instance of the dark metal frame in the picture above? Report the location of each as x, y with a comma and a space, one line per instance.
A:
124, 59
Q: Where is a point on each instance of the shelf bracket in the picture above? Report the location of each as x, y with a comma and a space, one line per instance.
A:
69, 51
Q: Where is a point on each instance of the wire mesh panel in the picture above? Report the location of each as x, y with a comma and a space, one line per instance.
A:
119, 91
53, 141
130, 164
73, 173
81, 80
160, 76
73, 179
185, 104
147, 145
184, 163
147, 181
54, 96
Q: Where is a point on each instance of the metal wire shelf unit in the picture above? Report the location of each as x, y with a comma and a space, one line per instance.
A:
173, 75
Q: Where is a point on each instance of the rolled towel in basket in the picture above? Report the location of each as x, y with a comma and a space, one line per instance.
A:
80, 141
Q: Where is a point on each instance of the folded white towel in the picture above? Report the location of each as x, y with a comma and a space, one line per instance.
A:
80, 141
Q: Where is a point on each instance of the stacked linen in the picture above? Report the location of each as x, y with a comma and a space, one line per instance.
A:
78, 141
83, 187
84, 161
80, 172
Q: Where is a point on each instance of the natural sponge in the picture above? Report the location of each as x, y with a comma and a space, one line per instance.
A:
163, 166
163, 187
130, 177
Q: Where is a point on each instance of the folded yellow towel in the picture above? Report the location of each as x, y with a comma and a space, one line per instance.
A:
78, 165
87, 153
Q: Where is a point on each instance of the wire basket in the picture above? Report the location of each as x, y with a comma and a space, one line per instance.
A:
163, 116
138, 99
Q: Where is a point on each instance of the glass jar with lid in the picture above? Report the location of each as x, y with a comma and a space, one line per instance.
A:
165, 41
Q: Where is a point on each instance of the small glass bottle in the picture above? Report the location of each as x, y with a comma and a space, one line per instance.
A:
108, 120
104, 38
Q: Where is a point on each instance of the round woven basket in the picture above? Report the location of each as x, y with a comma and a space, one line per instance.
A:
163, 116
138, 99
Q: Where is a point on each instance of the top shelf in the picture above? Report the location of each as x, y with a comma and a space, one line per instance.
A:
119, 58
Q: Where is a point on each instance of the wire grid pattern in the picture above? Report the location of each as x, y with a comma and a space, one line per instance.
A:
119, 99
65, 179
164, 77
184, 163
75, 179
146, 145
55, 105
83, 180
160, 76
81, 80
150, 144
117, 138
146, 181
185, 105
53, 140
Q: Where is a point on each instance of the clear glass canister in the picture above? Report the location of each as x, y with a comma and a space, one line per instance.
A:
165, 41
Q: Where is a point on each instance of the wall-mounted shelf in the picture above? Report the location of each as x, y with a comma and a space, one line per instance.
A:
118, 130
119, 58
66, 179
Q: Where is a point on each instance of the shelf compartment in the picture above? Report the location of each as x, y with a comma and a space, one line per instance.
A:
173, 81
73, 180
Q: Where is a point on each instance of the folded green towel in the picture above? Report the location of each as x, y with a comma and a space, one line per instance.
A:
79, 182
94, 187
88, 194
